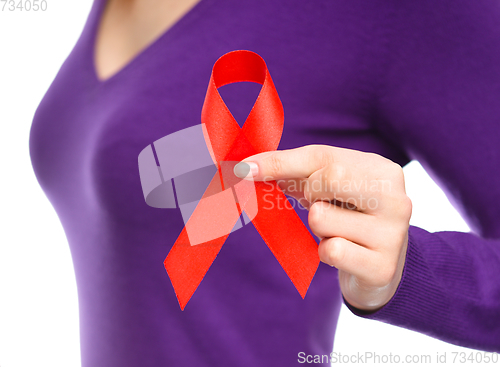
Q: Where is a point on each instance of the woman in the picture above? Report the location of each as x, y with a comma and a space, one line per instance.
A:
366, 84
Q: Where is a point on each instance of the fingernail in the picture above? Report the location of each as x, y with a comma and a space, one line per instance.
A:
246, 169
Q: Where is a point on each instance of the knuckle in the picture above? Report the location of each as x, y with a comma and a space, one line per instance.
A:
321, 156
338, 172
315, 216
274, 165
390, 170
404, 207
334, 177
398, 206
336, 252
396, 172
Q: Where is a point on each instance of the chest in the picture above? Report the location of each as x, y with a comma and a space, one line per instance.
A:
87, 134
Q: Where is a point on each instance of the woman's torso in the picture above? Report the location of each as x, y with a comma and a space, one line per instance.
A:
325, 60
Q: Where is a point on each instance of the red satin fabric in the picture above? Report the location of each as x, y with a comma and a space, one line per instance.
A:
280, 227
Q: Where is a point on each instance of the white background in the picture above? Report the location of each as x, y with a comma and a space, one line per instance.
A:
38, 299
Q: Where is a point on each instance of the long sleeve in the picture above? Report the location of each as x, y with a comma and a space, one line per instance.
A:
440, 102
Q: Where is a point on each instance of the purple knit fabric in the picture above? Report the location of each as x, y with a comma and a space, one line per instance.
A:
404, 79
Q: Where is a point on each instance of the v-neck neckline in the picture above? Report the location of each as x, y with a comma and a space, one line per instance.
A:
170, 31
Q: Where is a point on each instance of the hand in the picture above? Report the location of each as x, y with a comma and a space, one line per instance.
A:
357, 207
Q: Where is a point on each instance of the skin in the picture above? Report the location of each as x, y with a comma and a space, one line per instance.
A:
129, 26
362, 224
358, 208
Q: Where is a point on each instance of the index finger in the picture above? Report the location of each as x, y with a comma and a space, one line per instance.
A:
283, 164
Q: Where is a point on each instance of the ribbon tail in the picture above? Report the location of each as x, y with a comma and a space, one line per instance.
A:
286, 236
187, 265
201, 239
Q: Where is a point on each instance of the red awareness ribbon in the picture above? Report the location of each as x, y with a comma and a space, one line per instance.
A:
279, 225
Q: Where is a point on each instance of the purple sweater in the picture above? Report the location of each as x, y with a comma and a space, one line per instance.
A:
404, 79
